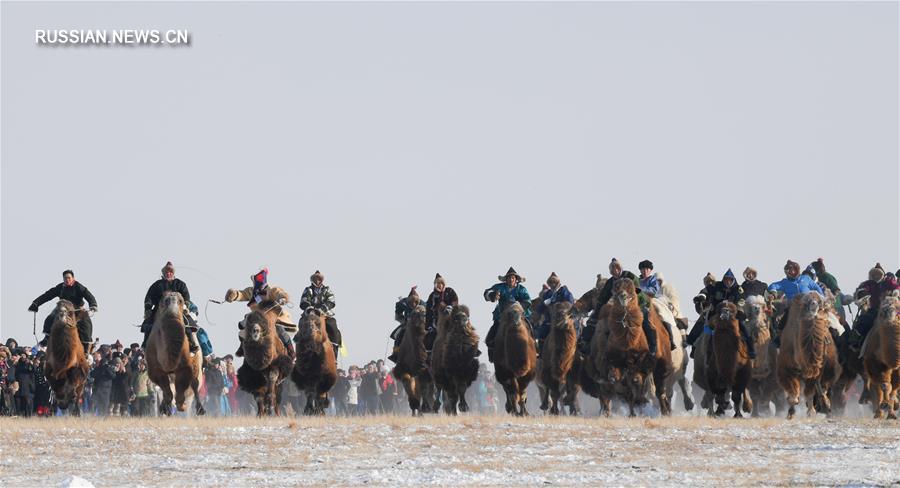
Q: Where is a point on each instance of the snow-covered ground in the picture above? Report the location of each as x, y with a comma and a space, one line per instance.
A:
401, 451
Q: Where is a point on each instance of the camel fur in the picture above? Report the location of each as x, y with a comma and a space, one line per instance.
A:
266, 361
515, 358
412, 364
67, 366
169, 360
881, 355
728, 365
315, 370
455, 357
558, 357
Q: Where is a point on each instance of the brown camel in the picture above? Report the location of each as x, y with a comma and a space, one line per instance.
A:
807, 358
515, 358
728, 365
763, 388
628, 362
315, 370
168, 356
454, 359
266, 360
557, 358
881, 356
67, 367
412, 364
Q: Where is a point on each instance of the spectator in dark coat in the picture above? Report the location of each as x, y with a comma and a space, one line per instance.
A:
25, 377
215, 388
41, 388
103, 375
368, 390
120, 394
339, 393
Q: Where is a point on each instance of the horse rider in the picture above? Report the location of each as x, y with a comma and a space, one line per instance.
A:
793, 284
168, 282
650, 286
402, 310
320, 297
505, 293
553, 292
255, 294
76, 293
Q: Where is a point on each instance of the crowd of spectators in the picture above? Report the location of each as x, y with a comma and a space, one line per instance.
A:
119, 385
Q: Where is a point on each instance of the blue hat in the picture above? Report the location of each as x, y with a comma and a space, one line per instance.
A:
728, 274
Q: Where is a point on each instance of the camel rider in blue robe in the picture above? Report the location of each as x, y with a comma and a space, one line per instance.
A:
509, 291
402, 310
169, 282
553, 292
254, 295
650, 287
792, 285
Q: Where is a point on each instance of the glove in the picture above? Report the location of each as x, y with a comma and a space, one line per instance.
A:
193, 308
33, 307
231, 295
94, 309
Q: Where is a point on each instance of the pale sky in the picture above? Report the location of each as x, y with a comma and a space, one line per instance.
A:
384, 142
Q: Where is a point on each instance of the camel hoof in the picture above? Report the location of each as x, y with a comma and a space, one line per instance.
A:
201, 411
554, 410
738, 415
892, 416
688, 404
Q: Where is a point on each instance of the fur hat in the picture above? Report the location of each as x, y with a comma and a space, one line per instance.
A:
728, 274
709, 279
168, 267
876, 273
512, 271
614, 262
438, 278
645, 264
791, 264
413, 292
818, 265
118, 344
748, 270
316, 276
552, 277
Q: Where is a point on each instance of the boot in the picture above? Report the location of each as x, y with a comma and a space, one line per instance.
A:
539, 346
337, 349
43, 342
671, 336
649, 332
144, 343
192, 345
393, 356
751, 348
490, 354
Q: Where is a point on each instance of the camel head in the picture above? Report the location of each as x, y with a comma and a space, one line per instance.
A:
172, 303
889, 310
416, 319
65, 313
754, 307
624, 292
459, 316
513, 313
257, 326
311, 325
726, 316
560, 315
812, 304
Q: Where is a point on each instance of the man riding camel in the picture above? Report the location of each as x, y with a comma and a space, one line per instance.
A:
441, 297
603, 296
509, 291
877, 286
402, 310
254, 295
651, 288
728, 290
793, 284
553, 292
169, 282
319, 297
76, 293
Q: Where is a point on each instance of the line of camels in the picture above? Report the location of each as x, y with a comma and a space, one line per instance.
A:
812, 362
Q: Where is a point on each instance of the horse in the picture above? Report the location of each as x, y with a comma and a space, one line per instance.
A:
315, 370
558, 358
412, 364
455, 357
807, 357
169, 360
881, 355
515, 357
266, 360
67, 366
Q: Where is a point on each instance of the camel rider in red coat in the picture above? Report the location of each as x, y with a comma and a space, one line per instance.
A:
319, 297
76, 293
169, 282
402, 310
256, 294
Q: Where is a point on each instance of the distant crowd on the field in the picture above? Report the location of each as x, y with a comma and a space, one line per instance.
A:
119, 385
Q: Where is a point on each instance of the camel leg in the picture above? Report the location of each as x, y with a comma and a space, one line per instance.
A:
260, 403
523, 397
544, 395
409, 384
184, 379
195, 387
310, 408
791, 385
685, 385
737, 396
162, 380
554, 398
461, 389
894, 385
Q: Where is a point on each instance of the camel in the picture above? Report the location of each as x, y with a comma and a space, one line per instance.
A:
67, 367
558, 358
315, 371
881, 355
807, 357
852, 366
763, 388
266, 360
728, 366
668, 310
169, 360
622, 363
454, 359
515, 358
412, 364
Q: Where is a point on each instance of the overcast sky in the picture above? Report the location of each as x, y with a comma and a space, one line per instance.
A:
384, 142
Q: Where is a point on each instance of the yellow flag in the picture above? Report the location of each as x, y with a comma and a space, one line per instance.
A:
343, 349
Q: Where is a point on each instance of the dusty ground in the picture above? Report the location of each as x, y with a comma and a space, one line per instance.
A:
394, 451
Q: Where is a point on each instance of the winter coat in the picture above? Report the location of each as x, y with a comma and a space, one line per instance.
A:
121, 387
874, 290
650, 285
606, 292
76, 294
320, 298
437, 301
829, 281
140, 384
25, 377
753, 288
549, 297
506, 295
369, 386
41, 388
156, 290
722, 293
215, 381
402, 309
799, 286
246, 295
353, 391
